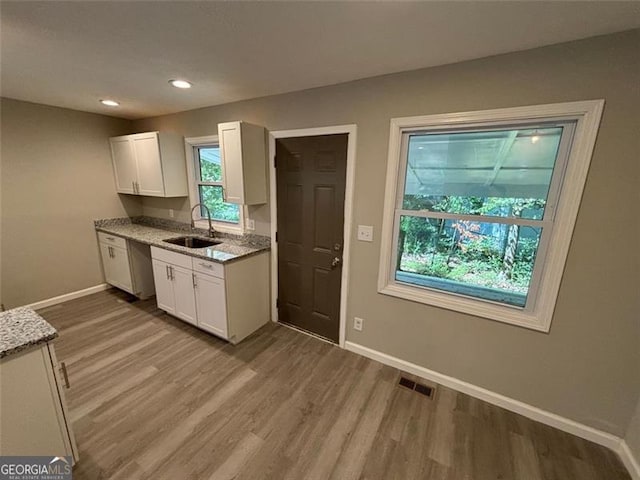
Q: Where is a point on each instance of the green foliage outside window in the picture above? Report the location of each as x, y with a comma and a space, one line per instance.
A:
211, 195
483, 252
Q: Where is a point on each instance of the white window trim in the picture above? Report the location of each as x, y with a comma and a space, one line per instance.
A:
194, 197
587, 114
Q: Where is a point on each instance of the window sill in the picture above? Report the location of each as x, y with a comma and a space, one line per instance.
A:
509, 299
462, 304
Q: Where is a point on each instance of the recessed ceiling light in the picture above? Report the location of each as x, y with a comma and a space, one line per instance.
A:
180, 83
109, 103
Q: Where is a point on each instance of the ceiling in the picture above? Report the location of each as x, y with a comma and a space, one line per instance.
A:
71, 54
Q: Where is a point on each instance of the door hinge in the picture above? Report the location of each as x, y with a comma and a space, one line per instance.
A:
275, 162
276, 237
277, 303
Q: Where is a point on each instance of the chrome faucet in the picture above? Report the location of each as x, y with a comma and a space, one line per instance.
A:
193, 223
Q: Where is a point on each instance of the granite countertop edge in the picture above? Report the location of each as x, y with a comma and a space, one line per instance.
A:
21, 329
226, 252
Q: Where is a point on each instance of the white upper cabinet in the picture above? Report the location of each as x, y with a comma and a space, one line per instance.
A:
244, 162
150, 164
124, 164
147, 152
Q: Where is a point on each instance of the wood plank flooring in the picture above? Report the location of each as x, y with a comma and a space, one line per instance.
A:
154, 398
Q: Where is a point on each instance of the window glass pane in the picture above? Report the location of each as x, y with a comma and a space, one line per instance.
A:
486, 260
504, 173
209, 164
211, 196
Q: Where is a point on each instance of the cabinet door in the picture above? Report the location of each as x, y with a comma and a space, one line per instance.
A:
211, 304
121, 269
63, 409
105, 253
147, 153
229, 135
183, 294
33, 422
164, 286
116, 267
124, 164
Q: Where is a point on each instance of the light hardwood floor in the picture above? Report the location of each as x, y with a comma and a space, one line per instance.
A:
154, 398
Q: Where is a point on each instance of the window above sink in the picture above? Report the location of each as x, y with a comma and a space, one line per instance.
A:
205, 177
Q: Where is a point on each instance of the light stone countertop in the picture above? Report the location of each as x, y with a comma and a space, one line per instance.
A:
21, 328
231, 248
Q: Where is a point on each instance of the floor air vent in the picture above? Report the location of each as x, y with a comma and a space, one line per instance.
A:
417, 387
405, 382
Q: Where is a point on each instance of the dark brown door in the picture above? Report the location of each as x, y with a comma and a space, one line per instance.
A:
311, 174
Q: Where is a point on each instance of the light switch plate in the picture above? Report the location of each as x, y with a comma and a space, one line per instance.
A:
365, 233
250, 224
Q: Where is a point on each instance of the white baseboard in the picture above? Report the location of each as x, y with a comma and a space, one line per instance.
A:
567, 425
68, 296
630, 462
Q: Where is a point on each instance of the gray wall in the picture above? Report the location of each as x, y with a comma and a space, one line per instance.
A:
56, 179
586, 368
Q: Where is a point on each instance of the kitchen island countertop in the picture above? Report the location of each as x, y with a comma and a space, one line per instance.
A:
21, 328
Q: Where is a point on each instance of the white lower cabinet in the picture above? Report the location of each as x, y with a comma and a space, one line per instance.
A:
35, 418
230, 301
182, 279
116, 267
127, 265
211, 304
164, 287
174, 290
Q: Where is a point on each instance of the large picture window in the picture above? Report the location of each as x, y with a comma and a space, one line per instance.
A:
473, 208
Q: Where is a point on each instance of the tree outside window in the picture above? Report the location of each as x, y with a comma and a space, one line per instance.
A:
472, 212
210, 189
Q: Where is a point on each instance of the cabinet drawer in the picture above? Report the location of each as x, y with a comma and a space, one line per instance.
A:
112, 240
173, 258
210, 268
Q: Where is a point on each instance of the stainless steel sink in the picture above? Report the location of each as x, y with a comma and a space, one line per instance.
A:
193, 242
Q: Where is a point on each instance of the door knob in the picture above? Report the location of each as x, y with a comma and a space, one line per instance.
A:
335, 262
